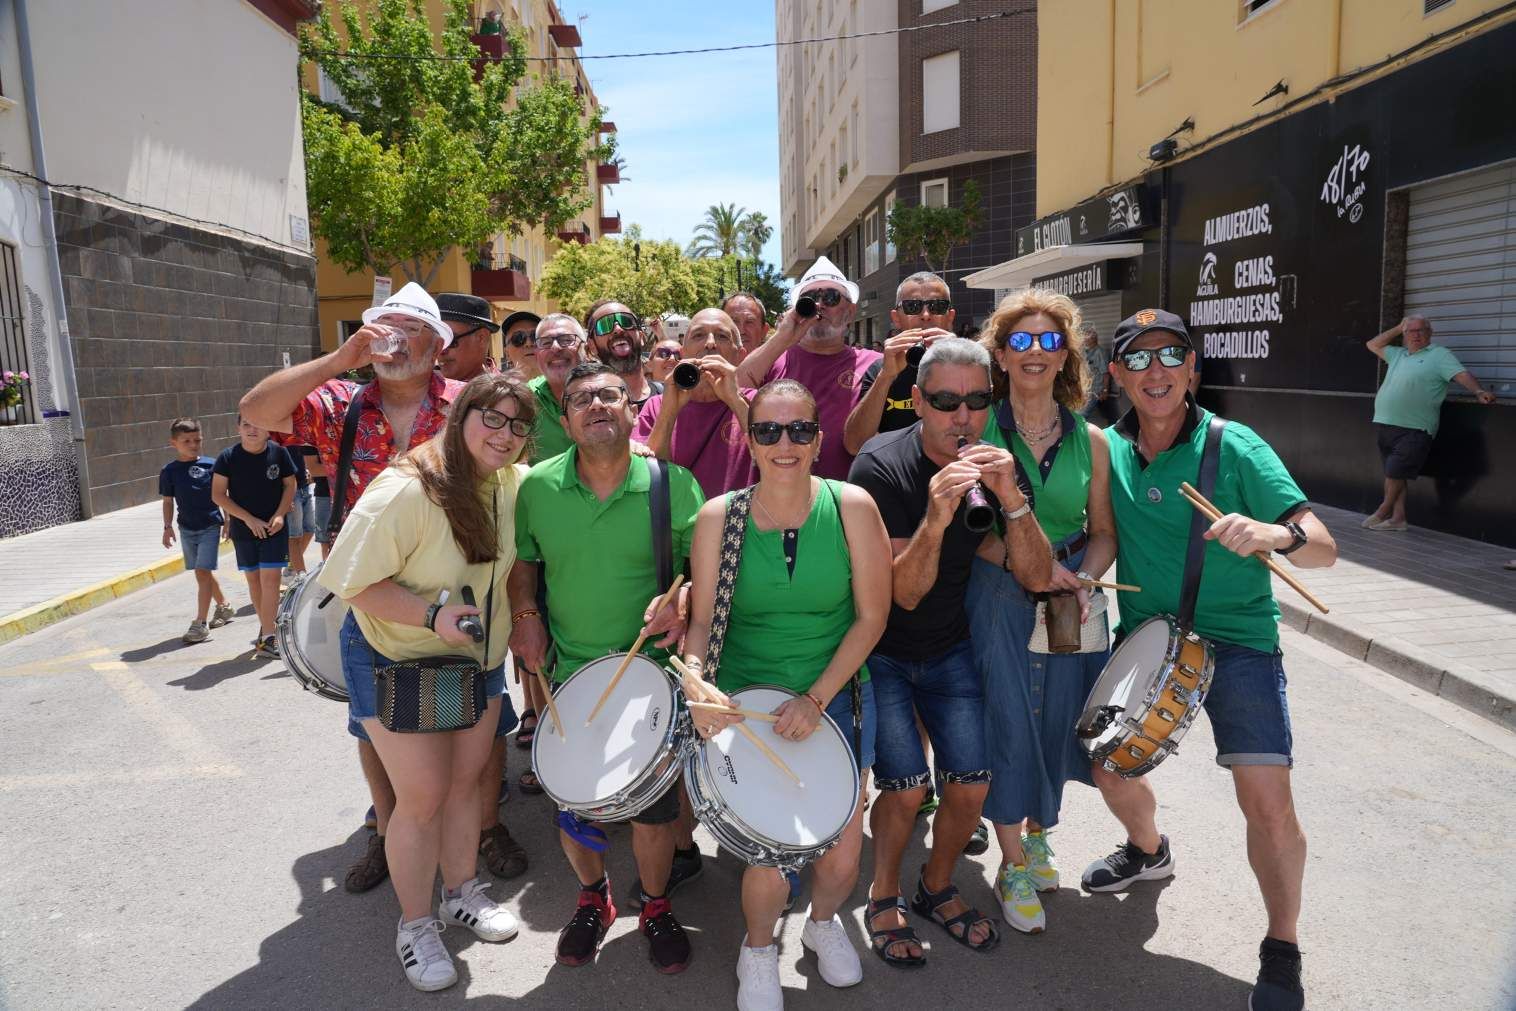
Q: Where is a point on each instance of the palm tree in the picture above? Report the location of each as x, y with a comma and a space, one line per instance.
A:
720, 233
756, 231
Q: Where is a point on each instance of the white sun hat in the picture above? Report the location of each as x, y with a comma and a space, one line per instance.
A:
823, 274
412, 301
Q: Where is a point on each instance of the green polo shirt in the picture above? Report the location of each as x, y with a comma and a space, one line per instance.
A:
599, 555
1414, 387
549, 437
1236, 602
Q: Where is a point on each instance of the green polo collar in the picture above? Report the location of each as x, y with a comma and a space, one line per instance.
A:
636, 480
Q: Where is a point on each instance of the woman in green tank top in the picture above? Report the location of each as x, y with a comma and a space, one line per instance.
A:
810, 601
1032, 700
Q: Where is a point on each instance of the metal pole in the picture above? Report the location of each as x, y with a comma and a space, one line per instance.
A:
63, 353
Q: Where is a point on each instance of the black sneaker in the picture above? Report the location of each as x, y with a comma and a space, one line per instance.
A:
578, 940
668, 946
979, 842
687, 866
1278, 987
1126, 865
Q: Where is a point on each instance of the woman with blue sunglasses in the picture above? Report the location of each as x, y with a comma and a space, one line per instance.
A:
1032, 700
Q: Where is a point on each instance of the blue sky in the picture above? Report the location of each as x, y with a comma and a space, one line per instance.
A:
694, 130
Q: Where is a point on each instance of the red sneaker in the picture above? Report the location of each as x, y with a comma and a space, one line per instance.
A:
668, 947
578, 941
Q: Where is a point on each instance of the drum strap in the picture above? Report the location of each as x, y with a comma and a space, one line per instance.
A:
1194, 559
733, 530
345, 460
658, 507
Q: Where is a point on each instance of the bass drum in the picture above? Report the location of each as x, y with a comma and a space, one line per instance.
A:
308, 626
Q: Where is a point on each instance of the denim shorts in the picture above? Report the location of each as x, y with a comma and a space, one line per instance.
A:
322, 511
302, 515
948, 693
840, 709
1250, 717
271, 552
202, 548
360, 660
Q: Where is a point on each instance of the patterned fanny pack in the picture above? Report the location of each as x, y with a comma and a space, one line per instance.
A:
431, 695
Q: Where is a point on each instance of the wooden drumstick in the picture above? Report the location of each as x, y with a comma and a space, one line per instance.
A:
1213, 514
742, 728
748, 714
552, 706
636, 648
1111, 586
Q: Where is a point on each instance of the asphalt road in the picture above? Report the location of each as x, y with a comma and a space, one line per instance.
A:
175, 822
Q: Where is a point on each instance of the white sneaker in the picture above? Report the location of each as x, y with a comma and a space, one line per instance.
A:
197, 632
1039, 861
1371, 522
1019, 903
835, 956
223, 614
427, 964
478, 912
758, 986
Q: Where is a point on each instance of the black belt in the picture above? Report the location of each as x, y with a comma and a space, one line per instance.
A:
1072, 548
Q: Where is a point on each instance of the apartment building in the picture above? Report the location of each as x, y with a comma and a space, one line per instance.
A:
908, 115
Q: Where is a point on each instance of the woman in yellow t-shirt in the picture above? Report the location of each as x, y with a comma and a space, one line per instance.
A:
441, 518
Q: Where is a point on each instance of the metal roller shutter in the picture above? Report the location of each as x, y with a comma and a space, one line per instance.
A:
1461, 269
1102, 312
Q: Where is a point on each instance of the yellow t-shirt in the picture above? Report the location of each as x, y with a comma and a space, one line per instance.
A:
396, 532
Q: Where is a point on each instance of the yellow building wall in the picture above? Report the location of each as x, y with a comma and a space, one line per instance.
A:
1116, 76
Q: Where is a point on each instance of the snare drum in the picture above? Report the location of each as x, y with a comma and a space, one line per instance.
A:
1147, 697
308, 624
625, 760
755, 810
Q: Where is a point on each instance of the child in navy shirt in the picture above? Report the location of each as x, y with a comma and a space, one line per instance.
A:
254, 484
186, 482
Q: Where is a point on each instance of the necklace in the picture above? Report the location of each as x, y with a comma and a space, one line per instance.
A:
1039, 435
758, 501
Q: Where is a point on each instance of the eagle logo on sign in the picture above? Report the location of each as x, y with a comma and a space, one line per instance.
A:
1145, 317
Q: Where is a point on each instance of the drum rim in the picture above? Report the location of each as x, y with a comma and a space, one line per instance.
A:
296, 661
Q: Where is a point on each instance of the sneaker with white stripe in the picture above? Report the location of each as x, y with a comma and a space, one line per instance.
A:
427, 964
475, 910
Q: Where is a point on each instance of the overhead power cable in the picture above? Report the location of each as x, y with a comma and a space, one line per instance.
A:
980, 19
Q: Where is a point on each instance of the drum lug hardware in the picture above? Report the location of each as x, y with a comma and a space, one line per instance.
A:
1181, 694
1134, 751
1165, 715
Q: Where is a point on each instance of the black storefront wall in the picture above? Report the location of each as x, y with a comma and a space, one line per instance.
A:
1278, 258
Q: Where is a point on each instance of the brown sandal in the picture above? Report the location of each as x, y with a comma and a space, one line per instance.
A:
371, 868
503, 855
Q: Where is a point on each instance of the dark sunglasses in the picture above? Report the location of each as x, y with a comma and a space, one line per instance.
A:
1050, 340
1138, 361
496, 420
766, 433
520, 339
912, 306
607, 324
666, 353
943, 401
826, 296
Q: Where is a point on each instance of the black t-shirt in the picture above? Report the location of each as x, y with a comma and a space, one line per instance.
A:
899, 407
255, 481
894, 470
188, 483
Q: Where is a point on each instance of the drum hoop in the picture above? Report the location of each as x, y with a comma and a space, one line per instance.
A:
296, 660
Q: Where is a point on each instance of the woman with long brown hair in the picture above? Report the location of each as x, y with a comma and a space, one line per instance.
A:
440, 520
1033, 699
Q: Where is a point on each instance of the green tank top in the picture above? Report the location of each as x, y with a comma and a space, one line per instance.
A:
783, 628
1060, 500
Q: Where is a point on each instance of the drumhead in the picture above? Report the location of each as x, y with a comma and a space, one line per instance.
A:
310, 636
600, 760
1130, 673
767, 801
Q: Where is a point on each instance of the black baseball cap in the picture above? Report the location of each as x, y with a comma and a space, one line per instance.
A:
1141, 322
466, 309
519, 316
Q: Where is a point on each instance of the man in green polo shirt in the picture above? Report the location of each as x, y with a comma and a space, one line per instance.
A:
585, 514
560, 346
1153, 448
1408, 407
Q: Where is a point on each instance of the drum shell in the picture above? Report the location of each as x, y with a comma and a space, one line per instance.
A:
305, 671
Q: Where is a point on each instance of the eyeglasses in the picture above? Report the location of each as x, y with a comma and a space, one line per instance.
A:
607, 324
913, 306
608, 395
567, 339
826, 296
1050, 341
669, 353
520, 339
1138, 361
766, 433
943, 401
494, 419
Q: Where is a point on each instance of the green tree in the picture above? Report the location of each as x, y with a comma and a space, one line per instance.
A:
932, 233
650, 277
419, 157
755, 234
720, 234
721, 277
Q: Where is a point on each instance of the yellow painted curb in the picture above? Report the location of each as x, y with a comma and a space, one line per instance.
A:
13, 626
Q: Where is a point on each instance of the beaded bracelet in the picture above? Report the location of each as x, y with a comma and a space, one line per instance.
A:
816, 699
527, 613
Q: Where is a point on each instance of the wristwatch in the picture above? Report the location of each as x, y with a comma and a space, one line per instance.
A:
1016, 514
1297, 532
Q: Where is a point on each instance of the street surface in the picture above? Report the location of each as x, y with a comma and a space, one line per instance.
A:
175, 822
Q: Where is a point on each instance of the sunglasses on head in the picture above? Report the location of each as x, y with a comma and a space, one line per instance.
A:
1137, 361
766, 433
608, 395
826, 296
913, 306
946, 402
1050, 340
496, 420
606, 325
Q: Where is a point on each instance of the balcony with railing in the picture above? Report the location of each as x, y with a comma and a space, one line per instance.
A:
500, 279
580, 235
611, 226
565, 35
608, 174
491, 50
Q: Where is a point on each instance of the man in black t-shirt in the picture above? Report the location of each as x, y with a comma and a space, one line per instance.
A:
924, 662
254, 484
923, 313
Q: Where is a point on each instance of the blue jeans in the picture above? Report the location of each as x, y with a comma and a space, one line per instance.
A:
840, 709
947, 692
301, 519
321, 509
360, 661
1250, 716
202, 548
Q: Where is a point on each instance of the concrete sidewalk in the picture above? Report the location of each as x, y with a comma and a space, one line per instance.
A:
1432, 609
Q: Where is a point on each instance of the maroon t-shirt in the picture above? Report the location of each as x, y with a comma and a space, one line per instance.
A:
836, 381
707, 442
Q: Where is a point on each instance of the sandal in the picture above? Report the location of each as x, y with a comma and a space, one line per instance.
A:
881, 941
927, 903
525, 733
502, 855
528, 783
